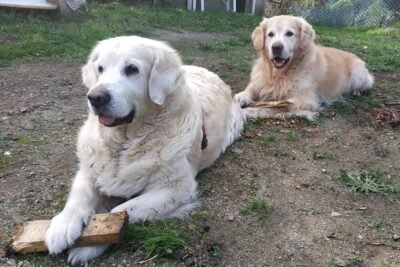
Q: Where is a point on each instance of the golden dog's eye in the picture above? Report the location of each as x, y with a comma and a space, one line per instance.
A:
100, 69
271, 34
131, 69
289, 33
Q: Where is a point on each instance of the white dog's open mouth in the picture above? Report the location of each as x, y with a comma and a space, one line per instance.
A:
279, 62
111, 121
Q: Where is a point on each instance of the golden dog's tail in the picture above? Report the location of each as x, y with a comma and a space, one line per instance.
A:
361, 79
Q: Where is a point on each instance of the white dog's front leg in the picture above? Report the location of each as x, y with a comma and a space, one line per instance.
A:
160, 203
66, 227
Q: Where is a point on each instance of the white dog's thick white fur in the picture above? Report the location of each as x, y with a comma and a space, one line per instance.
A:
306, 74
150, 163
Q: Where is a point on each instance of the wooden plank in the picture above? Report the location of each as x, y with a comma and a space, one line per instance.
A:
31, 4
106, 228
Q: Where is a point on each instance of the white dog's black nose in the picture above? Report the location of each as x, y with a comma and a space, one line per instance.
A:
99, 98
277, 49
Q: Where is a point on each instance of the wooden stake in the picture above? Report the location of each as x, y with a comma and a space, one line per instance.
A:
106, 228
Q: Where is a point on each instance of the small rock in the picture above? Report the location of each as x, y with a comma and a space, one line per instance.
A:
396, 237
231, 217
27, 125
365, 47
7, 153
323, 170
23, 109
237, 151
335, 214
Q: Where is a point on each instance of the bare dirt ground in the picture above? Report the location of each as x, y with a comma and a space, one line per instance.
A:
316, 220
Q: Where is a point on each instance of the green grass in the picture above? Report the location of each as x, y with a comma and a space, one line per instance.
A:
356, 258
260, 208
290, 136
381, 152
368, 181
322, 154
371, 44
381, 224
37, 259
269, 140
352, 106
37, 36
34, 36
161, 239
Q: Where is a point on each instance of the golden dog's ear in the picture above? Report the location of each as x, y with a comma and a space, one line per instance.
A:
164, 75
89, 74
258, 35
307, 34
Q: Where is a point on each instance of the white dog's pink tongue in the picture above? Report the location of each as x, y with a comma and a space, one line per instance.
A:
106, 120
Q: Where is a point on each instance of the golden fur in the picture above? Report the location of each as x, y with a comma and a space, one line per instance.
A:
312, 74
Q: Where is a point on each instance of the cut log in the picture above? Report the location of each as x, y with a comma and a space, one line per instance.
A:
106, 228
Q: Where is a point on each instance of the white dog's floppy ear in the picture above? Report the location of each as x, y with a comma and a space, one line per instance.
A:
164, 74
258, 35
307, 35
89, 74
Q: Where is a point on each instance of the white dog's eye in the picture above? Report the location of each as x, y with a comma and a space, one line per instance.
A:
271, 34
131, 69
100, 69
289, 33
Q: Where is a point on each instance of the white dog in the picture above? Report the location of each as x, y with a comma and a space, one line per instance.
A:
145, 138
292, 68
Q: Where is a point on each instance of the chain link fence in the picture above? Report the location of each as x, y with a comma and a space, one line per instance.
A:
368, 13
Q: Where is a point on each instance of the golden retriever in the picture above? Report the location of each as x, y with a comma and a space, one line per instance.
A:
292, 68
153, 124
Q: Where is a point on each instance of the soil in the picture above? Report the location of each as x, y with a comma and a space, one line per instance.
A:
316, 220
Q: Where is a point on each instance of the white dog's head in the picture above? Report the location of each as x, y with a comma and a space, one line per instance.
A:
125, 75
281, 37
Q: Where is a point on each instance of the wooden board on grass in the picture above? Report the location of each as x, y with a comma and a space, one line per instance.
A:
106, 228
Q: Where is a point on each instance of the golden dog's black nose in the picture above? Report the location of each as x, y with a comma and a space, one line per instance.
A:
99, 98
277, 49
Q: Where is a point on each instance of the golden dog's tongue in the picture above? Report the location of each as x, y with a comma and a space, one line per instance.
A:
106, 120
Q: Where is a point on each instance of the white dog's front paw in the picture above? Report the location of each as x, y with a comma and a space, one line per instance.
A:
85, 254
63, 231
243, 98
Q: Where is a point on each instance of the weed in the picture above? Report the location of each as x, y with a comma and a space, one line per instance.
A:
368, 181
355, 258
381, 223
290, 136
315, 211
160, 239
260, 208
37, 259
381, 151
215, 250
204, 190
26, 140
322, 154
269, 140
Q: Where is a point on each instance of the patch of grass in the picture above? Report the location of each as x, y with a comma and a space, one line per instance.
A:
315, 211
34, 36
371, 44
269, 140
37, 259
260, 208
204, 190
26, 140
381, 152
356, 258
290, 136
322, 154
368, 181
161, 239
215, 250
381, 223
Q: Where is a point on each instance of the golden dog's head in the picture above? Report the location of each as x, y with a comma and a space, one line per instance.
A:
281, 38
127, 76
